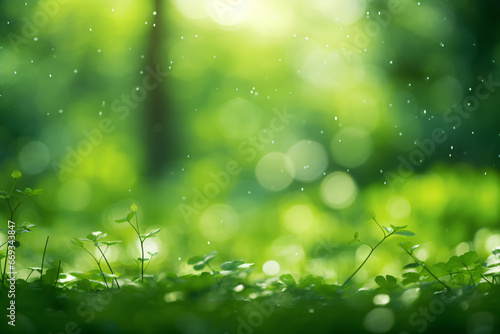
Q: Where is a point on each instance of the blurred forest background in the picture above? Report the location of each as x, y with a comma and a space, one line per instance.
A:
266, 130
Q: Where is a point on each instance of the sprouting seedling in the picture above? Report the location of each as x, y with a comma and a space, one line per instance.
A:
233, 267
200, 262
13, 203
387, 231
142, 237
150, 259
456, 264
43, 256
95, 237
409, 248
103, 255
9, 195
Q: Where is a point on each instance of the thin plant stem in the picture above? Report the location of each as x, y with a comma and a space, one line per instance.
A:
142, 259
99, 265
213, 273
142, 248
32, 270
471, 277
386, 235
483, 277
369, 254
58, 271
43, 257
137, 231
425, 267
147, 265
105, 259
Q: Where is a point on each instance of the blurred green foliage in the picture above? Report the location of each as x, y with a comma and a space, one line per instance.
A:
268, 135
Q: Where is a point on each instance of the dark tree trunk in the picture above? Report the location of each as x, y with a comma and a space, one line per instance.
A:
160, 123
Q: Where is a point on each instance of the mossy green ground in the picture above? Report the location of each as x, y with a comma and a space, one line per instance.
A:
196, 304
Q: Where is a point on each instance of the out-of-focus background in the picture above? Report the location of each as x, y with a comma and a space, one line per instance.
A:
269, 131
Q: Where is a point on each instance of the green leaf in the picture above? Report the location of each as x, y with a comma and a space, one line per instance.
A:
153, 254
36, 192
119, 221
210, 256
469, 258
84, 285
4, 194
441, 268
410, 277
232, 265
28, 191
201, 261
288, 280
134, 207
406, 246
387, 229
356, 235
392, 282
496, 251
414, 247
195, 259
25, 228
77, 242
94, 236
398, 228
381, 281
460, 279
411, 265
405, 233
110, 243
16, 174
199, 266
151, 234
50, 276
130, 215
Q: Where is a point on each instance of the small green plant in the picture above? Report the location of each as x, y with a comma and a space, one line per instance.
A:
200, 262
387, 232
15, 198
229, 268
142, 237
409, 248
458, 271
95, 237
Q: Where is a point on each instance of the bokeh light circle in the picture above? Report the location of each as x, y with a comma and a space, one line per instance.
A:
298, 218
379, 320
229, 12
309, 159
351, 147
34, 157
271, 268
338, 190
275, 171
398, 207
326, 69
219, 222
193, 9
341, 11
